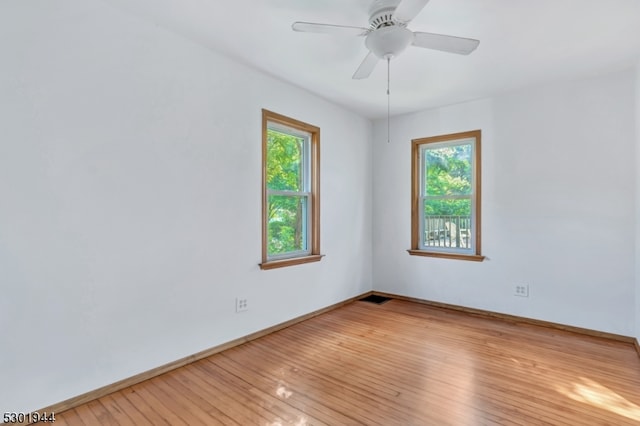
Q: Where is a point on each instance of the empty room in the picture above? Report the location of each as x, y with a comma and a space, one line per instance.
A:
366, 212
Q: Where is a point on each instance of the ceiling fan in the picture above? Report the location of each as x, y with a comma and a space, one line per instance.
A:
387, 35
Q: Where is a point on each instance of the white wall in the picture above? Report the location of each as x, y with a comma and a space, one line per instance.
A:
130, 200
558, 205
637, 157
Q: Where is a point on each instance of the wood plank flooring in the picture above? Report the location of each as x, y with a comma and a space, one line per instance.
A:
399, 363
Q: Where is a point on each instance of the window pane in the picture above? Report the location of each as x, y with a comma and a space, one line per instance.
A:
448, 170
447, 223
286, 226
285, 161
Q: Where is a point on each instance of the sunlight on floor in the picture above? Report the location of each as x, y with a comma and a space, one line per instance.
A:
283, 392
593, 393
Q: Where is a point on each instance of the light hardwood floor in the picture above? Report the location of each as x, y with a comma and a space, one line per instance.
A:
399, 363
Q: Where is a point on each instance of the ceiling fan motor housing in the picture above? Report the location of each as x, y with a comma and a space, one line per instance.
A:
379, 9
382, 18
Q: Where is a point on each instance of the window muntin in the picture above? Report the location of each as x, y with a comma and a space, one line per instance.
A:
446, 194
290, 192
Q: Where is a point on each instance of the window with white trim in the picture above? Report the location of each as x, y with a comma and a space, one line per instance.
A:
291, 188
445, 217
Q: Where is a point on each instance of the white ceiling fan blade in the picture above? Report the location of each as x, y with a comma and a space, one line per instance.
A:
310, 27
446, 43
408, 9
366, 67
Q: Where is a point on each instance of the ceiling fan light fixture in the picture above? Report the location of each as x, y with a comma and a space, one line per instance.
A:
388, 42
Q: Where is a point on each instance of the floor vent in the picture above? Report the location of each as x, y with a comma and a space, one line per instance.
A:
378, 300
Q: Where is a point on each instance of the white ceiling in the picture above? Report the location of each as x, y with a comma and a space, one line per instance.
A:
522, 42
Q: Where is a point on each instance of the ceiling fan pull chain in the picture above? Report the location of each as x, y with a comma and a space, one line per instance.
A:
388, 101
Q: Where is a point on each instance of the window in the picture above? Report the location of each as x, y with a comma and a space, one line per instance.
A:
290, 191
445, 193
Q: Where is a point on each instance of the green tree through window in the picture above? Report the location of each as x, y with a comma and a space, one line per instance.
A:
288, 197
448, 177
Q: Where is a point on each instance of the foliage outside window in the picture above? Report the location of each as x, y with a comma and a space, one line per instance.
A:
445, 213
291, 187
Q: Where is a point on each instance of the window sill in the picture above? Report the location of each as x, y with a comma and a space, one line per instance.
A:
457, 256
273, 264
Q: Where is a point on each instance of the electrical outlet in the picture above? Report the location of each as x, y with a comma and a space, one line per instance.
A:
241, 304
521, 290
